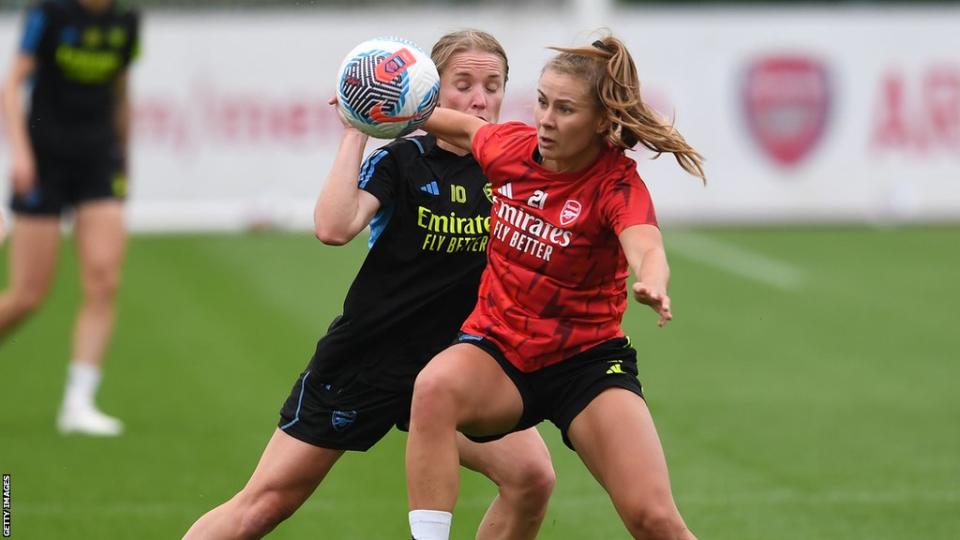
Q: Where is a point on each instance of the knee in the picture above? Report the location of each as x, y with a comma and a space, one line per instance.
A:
101, 283
261, 513
531, 482
660, 522
25, 301
434, 394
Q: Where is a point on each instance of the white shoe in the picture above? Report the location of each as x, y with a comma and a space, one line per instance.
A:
88, 421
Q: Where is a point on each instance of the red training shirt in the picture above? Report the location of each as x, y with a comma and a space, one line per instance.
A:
555, 282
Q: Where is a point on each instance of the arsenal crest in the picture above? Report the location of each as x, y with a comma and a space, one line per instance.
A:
341, 420
786, 101
570, 212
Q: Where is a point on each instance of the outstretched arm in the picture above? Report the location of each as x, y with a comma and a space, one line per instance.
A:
454, 127
643, 247
343, 209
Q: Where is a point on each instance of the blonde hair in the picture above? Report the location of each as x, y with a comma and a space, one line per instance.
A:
465, 40
609, 69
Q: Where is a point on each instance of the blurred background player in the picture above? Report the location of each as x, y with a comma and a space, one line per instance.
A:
571, 217
69, 153
428, 206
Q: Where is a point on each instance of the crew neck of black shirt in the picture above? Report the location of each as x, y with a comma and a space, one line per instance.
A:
436, 148
91, 12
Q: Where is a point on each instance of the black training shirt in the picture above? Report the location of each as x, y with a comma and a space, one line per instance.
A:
79, 56
427, 251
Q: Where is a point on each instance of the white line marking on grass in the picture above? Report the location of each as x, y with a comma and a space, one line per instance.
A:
736, 260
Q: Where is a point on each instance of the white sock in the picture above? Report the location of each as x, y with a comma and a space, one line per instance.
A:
430, 524
82, 382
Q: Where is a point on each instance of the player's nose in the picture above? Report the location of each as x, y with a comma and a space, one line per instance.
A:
546, 119
478, 101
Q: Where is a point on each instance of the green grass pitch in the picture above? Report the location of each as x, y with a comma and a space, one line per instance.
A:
807, 389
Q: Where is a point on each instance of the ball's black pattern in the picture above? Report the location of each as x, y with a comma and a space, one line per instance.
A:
361, 90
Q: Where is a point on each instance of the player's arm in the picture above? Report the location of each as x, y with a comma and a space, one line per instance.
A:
343, 209
122, 115
643, 247
455, 127
23, 167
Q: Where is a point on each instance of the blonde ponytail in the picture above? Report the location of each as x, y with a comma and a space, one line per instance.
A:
608, 68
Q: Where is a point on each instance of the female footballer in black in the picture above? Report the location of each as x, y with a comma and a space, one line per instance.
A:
68, 153
428, 207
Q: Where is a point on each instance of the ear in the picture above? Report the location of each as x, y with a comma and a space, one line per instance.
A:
603, 126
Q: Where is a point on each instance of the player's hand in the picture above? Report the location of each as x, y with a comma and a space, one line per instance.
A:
23, 174
347, 126
656, 299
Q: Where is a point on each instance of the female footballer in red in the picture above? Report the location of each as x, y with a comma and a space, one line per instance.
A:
571, 218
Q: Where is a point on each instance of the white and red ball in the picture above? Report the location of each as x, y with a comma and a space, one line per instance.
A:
387, 87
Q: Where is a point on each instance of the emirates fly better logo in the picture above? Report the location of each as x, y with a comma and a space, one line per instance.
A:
786, 101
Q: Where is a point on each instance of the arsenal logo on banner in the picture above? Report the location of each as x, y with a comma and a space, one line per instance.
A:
786, 101
570, 212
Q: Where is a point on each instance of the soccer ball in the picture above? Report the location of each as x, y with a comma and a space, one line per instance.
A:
387, 87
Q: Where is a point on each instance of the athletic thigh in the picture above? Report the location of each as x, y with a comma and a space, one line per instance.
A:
100, 238
487, 401
617, 440
34, 244
290, 469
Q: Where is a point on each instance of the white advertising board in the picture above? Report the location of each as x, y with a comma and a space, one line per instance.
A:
804, 115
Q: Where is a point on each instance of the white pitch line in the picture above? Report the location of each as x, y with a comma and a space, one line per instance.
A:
736, 260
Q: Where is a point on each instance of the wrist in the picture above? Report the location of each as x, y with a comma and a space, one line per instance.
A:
354, 134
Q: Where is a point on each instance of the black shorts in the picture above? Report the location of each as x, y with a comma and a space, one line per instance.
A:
64, 182
561, 391
344, 414
351, 395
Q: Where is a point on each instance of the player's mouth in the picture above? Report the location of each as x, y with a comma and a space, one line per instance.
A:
546, 142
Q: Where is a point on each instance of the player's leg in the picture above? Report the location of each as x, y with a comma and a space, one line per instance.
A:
461, 388
34, 243
288, 472
616, 439
519, 464
100, 240
329, 410
32, 260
